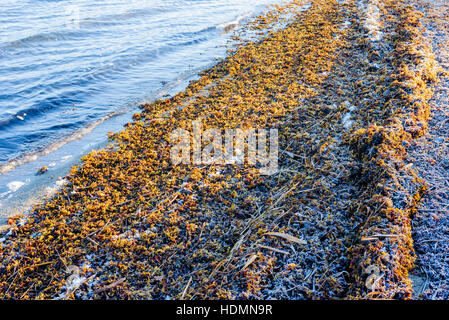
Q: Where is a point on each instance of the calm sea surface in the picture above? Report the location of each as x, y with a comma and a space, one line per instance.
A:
70, 71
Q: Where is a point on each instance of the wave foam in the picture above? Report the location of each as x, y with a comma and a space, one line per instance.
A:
231, 25
15, 185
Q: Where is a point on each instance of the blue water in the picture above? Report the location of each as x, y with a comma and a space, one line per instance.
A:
67, 67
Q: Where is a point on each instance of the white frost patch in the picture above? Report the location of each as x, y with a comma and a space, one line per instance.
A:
217, 173
371, 10
22, 222
346, 24
349, 106
305, 7
347, 122
128, 235
15, 185
61, 182
75, 283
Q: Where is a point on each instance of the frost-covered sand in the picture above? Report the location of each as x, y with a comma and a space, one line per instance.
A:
430, 155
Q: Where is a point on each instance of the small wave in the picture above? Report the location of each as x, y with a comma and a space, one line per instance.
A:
231, 25
122, 18
44, 37
40, 107
12, 164
65, 158
15, 185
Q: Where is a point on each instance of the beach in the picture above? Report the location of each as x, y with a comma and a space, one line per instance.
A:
342, 98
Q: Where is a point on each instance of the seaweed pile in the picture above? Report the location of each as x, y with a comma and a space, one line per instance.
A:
393, 190
347, 89
429, 156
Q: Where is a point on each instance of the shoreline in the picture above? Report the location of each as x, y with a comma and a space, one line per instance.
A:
34, 188
346, 89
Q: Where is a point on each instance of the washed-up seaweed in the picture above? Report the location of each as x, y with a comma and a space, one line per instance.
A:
346, 92
393, 189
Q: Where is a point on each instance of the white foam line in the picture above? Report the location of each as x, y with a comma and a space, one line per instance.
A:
11, 165
15, 185
228, 26
27, 205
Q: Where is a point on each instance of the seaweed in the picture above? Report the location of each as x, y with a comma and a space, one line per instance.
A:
393, 196
334, 222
